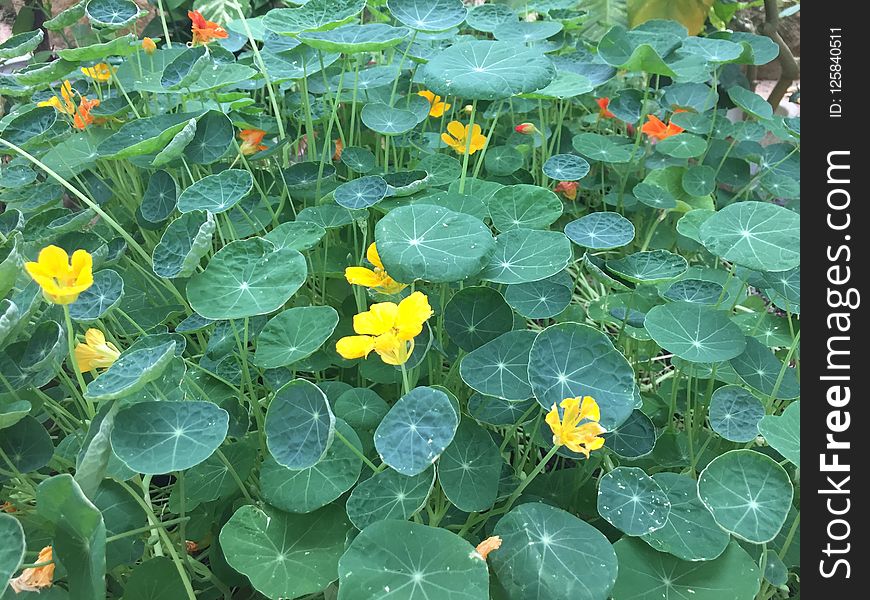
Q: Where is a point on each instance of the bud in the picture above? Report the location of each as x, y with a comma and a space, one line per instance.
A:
526, 129
567, 189
148, 45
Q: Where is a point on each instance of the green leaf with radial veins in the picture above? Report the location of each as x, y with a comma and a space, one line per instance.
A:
500, 367
389, 495
395, 560
524, 255
314, 15
470, 468
143, 136
782, 432
111, 14
570, 359
432, 243
12, 552
299, 425
217, 193
123, 45
748, 493
294, 334
157, 437
246, 278
601, 231
476, 315
757, 235
416, 430
632, 501
285, 555
351, 39
695, 332
20, 44
734, 413
135, 368
524, 206
645, 574
654, 266
549, 553
487, 70
428, 15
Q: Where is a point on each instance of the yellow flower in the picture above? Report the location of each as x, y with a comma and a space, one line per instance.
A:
569, 432
99, 72
457, 138
148, 45
437, 108
387, 328
34, 579
96, 352
62, 280
67, 105
491, 543
377, 278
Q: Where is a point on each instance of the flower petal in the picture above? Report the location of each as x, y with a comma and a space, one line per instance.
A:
379, 319
362, 276
413, 311
373, 256
355, 346
54, 261
456, 129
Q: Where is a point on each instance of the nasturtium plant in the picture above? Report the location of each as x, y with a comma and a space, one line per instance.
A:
403, 299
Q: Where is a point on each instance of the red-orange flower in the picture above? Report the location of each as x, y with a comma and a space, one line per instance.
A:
83, 116
203, 30
656, 129
567, 189
491, 543
251, 141
526, 128
603, 113
339, 147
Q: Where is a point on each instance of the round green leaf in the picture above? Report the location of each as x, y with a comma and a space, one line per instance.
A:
428, 15
652, 266
486, 17
608, 149
711, 49
12, 552
784, 289
475, 316
523, 255
432, 243
160, 197
569, 360
503, 160
161, 437
389, 560
524, 206
751, 102
389, 495
635, 438
470, 469
360, 160
695, 332
632, 502
217, 193
294, 334
497, 411
30, 127
350, 39
285, 555
361, 192
315, 15
112, 14
416, 430
387, 120
296, 235
734, 413
246, 278
138, 365
299, 425
540, 299
525, 32
186, 240
566, 167
694, 290
758, 235
748, 493
487, 70
21, 44
690, 533
143, 136
362, 408
213, 138
601, 231
782, 432
683, 145
549, 553
500, 367
645, 574
699, 180
654, 196
27, 445
306, 490
155, 579
760, 369
94, 302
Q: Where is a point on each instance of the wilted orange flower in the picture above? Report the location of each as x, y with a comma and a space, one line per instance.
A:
83, 116
491, 543
436, 106
203, 30
526, 129
339, 147
567, 189
603, 113
148, 45
35, 578
656, 129
251, 139
8, 507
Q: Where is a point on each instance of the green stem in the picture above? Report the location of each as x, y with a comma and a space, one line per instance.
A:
468, 136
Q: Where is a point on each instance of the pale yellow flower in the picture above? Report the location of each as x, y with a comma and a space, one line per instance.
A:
96, 352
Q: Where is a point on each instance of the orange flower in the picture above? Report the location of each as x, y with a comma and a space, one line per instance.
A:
436, 106
656, 129
148, 45
83, 116
526, 129
251, 139
567, 189
190, 546
491, 543
339, 147
8, 507
34, 579
204, 31
603, 113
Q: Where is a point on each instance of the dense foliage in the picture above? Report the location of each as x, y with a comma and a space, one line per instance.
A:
396, 300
